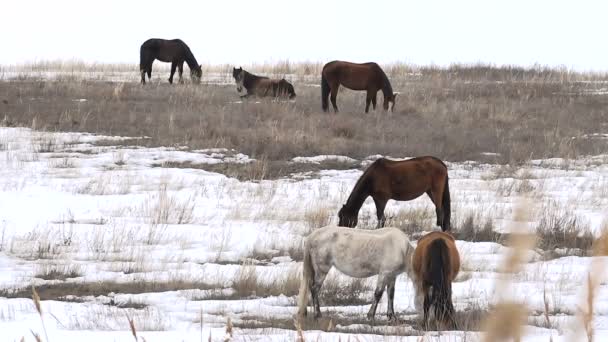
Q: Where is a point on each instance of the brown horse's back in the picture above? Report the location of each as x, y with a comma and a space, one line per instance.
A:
355, 76
405, 180
422, 248
165, 50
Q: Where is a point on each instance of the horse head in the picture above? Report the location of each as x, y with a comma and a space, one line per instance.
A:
239, 76
196, 74
347, 218
390, 99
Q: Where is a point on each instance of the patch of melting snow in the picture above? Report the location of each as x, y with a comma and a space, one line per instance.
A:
106, 228
323, 158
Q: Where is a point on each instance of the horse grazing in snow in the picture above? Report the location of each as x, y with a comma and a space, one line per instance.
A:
401, 180
436, 263
385, 252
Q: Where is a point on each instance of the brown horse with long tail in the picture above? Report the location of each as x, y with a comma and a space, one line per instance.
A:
435, 264
366, 76
401, 180
173, 51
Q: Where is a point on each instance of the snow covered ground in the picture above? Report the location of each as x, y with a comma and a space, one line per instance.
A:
104, 233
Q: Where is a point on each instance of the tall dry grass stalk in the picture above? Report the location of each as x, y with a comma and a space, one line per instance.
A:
36, 299
132, 326
300, 333
201, 323
506, 321
228, 336
595, 277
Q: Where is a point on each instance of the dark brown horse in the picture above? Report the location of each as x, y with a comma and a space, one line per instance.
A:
173, 51
261, 86
366, 76
435, 264
402, 180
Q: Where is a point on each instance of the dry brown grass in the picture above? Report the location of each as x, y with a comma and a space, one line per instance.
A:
58, 272
559, 227
247, 283
453, 113
59, 291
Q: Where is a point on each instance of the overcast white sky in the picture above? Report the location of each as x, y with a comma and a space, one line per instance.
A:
570, 33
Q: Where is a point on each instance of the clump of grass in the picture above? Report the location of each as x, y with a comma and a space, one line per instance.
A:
248, 285
412, 220
474, 228
58, 272
317, 217
347, 292
45, 143
163, 208
560, 228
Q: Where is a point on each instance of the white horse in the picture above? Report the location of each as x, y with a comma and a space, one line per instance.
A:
358, 253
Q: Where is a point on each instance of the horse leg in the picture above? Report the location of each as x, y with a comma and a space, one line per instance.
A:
374, 101
368, 100
380, 205
333, 96
380, 285
180, 71
390, 289
315, 288
143, 75
173, 67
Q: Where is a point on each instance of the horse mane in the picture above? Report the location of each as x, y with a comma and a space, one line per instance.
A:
387, 89
190, 59
361, 183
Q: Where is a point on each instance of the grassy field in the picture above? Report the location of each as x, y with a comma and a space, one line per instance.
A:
128, 234
503, 115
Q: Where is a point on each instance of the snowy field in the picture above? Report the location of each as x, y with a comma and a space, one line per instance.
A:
105, 233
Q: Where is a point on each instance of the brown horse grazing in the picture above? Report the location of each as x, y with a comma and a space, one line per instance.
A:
435, 264
402, 180
366, 76
261, 86
172, 51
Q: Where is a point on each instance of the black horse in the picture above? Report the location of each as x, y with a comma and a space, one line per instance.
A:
173, 51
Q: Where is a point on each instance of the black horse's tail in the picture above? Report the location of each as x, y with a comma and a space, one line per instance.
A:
324, 93
291, 91
144, 63
439, 267
446, 206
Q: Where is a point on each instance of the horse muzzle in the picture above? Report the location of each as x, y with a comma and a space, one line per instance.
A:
239, 89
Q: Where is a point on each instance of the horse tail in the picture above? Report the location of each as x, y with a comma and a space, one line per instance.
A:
439, 267
308, 273
142, 60
446, 206
324, 93
291, 90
